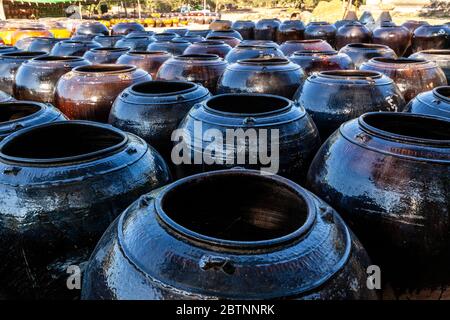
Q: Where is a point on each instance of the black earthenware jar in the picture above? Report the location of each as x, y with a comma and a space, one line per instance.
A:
75, 177
266, 29
225, 33
341, 23
291, 46
44, 44
362, 52
412, 25
92, 27
277, 76
352, 32
123, 28
219, 48
388, 174
36, 80
136, 43
107, 41
290, 30
242, 52
73, 48
397, 38
104, 54
431, 37
316, 61
175, 46
149, 61
154, 109
334, 97
434, 103
281, 242
440, 56
321, 30
246, 28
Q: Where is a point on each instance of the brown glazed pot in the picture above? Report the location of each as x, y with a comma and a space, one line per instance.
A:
252, 51
397, 38
316, 61
73, 48
104, 55
412, 76
225, 33
88, 92
149, 61
431, 37
352, 32
220, 25
36, 80
277, 76
204, 69
321, 30
9, 63
124, 28
388, 175
362, 52
266, 29
440, 56
290, 30
231, 41
433, 103
219, 48
246, 28
289, 47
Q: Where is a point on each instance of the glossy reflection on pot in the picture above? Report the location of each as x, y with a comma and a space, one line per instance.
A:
92, 27
266, 29
362, 52
388, 175
246, 28
412, 76
149, 61
242, 52
397, 38
434, 103
290, 30
73, 48
428, 37
219, 48
123, 28
104, 54
334, 97
352, 32
225, 33
316, 61
289, 47
64, 171
440, 56
88, 92
43, 44
321, 30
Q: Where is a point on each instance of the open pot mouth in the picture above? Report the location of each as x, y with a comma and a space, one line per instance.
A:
110, 49
351, 74
399, 60
149, 53
163, 88
13, 111
236, 208
408, 127
255, 47
202, 57
315, 53
305, 41
265, 61
80, 42
367, 46
23, 54
104, 69
62, 142
58, 58
443, 93
233, 104
210, 43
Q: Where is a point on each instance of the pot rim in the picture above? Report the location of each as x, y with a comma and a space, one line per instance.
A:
351, 74
192, 87
210, 43
305, 41
438, 93
119, 68
23, 55
57, 59
197, 57
148, 53
315, 52
39, 105
110, 49
367, 46
242, 245
269, 61
395, 62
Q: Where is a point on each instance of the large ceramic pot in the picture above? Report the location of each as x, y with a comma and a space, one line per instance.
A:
17, 115
36, 80
149, 61
280, 242
219, 48
9, 63
246, 28
44, 44
434, 103
440, 56
179, 31
242, 52
225, 33
397, 38
88, 92
412, 76
362, 52
352, 32
123, 28
107, 41
73, 48
29, 32
165, 36
154, 109
75, 178
431, 37
321, 30
176, 46
290, 30
92, 27
202, 33
204, 69
334, 97
284, 129
316, 61
289, 47
266, 29
400, 163
137, 43
104, 54
341, 23
220, 25
273, 75
231, 41
412, 25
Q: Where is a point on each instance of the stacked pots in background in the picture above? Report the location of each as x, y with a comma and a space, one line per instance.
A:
431, 37
362, 52
434, 103
73, 48
321, 30
315, 61
290, 30
289, 47
104, 54
219, 48
352, 32
246, 28
88, 92
242, 52
149, 61
440, 56
87, 174
266, 29
397, 38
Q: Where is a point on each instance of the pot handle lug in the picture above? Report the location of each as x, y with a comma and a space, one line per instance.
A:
208, 262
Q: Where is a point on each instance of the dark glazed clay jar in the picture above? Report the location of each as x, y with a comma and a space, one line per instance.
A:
440, 56
276, 76
104, 54
149, 61
73, 48
204, 69
289, 47
88, 92
225, 33
431, 37
202, 33
362, 52
153, 110
44, 44
137, 43
412, 76
231, 41
290, 30
36, 80
266, 29
219, 48
242, 52
17, 115
92, 27
316, 61
397, 38
341, 23
284, 129
123, 28
434, 103
175, 46
352, 32
107, 41
281, 242
321, 30
246, 28
400, 207
9, 63
76, 177
334, 97
165, 36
